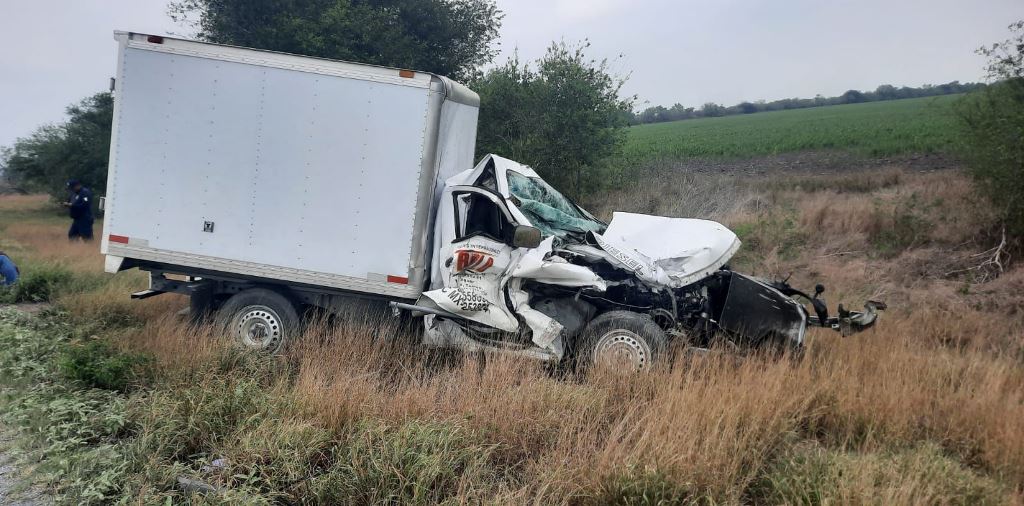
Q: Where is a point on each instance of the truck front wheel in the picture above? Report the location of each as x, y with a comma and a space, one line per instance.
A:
622, 340
259, 319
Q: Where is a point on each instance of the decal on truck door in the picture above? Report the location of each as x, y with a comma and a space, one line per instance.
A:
470, 295
474, 277
472, 260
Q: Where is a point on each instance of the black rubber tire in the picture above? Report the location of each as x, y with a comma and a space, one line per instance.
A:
634, 334
268, 311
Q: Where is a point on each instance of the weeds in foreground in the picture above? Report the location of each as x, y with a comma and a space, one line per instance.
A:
808, 473
97, 364
38, 284
348, 419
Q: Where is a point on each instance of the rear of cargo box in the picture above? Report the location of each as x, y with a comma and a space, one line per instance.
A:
275, 166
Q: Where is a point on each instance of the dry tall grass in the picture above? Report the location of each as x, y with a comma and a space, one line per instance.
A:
21, 203
928, 408
49, 243
705, 427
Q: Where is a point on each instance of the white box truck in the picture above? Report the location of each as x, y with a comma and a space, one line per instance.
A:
276, 166
270, 183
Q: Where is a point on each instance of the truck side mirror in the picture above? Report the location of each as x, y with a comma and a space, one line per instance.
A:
526, 236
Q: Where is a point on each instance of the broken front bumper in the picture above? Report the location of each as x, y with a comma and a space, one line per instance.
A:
850, 322
760, 310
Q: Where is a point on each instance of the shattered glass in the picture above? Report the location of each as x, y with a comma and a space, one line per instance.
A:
549, 210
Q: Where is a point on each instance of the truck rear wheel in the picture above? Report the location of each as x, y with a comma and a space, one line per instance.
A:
621, 340
259, 319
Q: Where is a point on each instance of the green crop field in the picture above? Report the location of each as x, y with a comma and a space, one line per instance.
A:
919, 125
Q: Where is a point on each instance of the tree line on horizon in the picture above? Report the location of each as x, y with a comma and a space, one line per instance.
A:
661, 114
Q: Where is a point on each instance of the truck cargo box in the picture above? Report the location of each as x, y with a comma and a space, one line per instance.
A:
281, 167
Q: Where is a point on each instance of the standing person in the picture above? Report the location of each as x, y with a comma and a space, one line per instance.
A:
80, 209
8, 271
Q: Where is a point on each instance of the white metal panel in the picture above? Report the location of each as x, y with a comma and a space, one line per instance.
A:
108, 217
296, 169
456, 147
457, 140
275, 59
248, 269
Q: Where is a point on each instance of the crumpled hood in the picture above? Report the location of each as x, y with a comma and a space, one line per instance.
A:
672, 252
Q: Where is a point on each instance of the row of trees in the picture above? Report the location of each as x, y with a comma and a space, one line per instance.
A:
659, 114
54, 154
449, 37
561, 114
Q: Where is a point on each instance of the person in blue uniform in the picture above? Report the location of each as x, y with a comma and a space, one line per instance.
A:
79, 206
8, 271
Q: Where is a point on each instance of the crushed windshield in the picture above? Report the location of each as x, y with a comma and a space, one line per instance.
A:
549, 210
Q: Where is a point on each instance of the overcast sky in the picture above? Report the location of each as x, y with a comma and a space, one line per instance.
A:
54, 52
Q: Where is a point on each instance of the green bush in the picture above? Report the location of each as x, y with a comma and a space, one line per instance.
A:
563, 116
77, 148
900, 227
992, 122
40, 284
97, 364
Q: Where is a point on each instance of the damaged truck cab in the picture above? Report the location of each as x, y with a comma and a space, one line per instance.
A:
520, 267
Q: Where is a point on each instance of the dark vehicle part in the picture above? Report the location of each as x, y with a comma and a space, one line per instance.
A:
571, 313
200, 301
847, 323
819, 304
525, 236
851, 322
417, 310
622, 340
259, 319
759, 312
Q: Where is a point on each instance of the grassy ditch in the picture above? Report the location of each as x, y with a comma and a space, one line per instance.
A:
119, 401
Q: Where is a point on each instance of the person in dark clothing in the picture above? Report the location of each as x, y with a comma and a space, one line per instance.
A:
8, 271
80, 208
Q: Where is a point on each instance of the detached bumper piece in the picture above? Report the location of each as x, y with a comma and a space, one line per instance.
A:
145, 294
851, 322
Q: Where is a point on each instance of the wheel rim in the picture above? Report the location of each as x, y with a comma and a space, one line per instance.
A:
622, 349
259, 327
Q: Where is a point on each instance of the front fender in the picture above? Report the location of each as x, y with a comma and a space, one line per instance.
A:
759, 312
